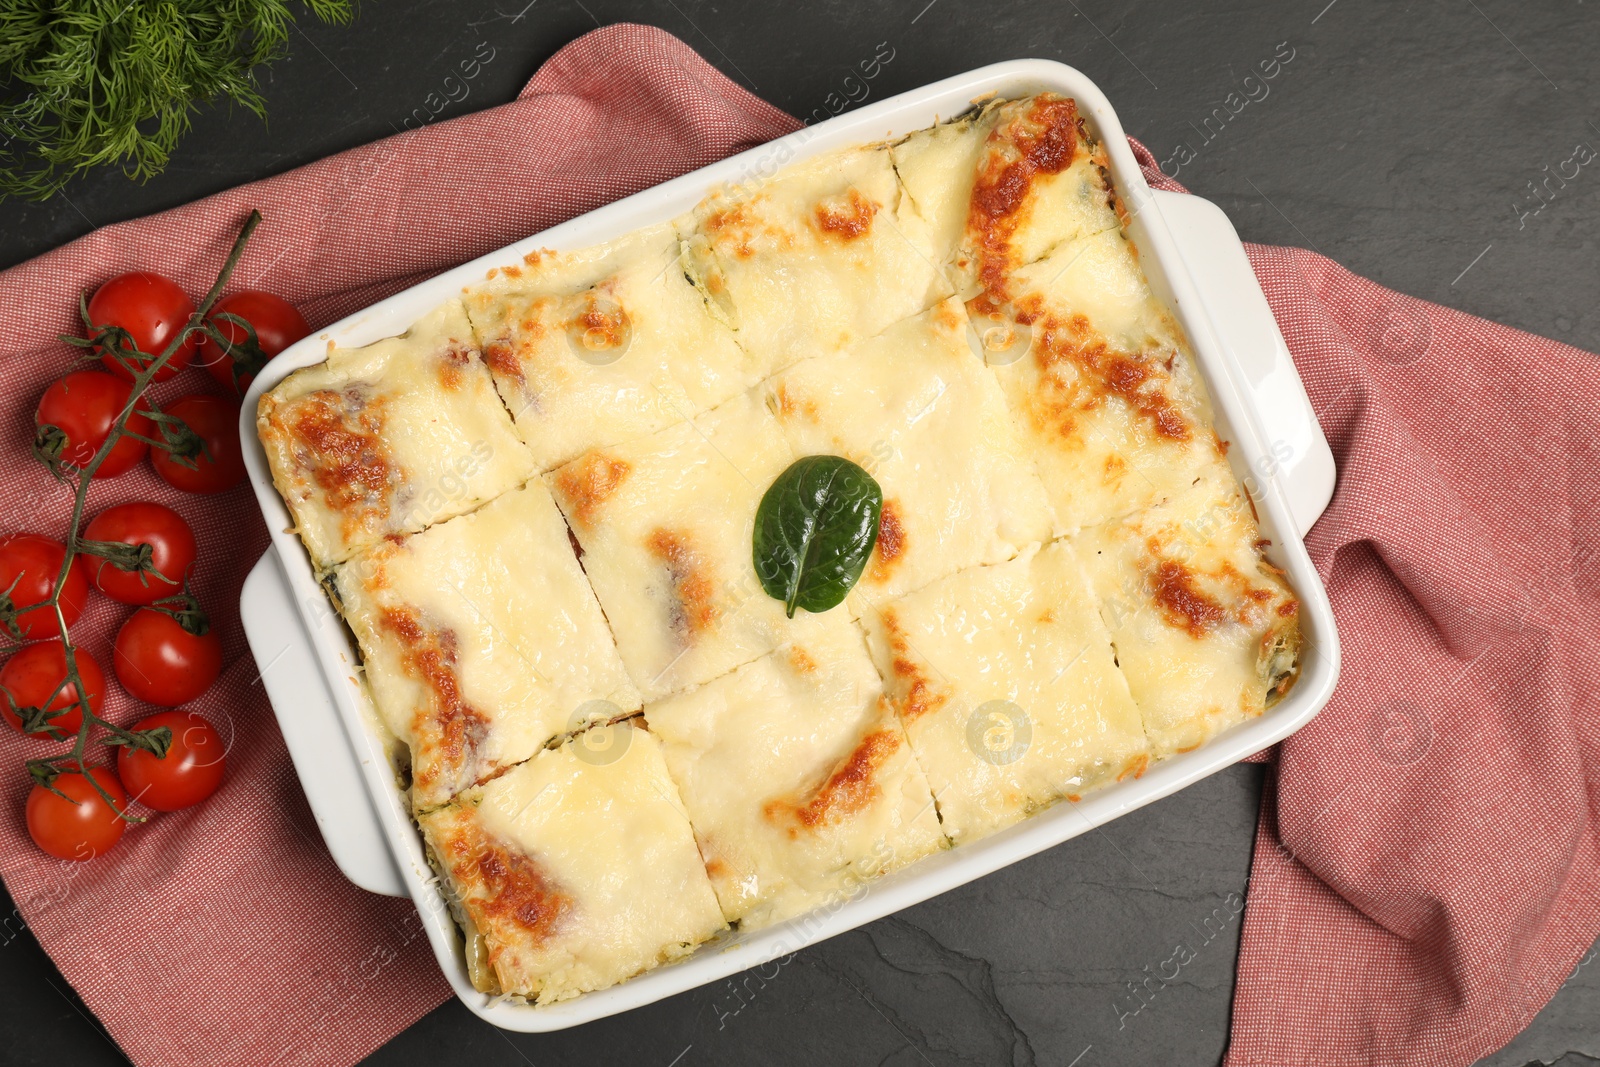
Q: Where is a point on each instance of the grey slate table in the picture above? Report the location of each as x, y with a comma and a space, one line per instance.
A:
1399, 140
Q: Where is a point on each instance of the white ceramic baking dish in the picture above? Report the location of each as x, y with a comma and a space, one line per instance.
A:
1195, 264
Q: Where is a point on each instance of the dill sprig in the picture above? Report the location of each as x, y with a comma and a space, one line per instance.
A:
89, 83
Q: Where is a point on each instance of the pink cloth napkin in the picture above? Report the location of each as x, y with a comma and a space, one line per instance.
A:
1435, 874
1426, 870
225, 934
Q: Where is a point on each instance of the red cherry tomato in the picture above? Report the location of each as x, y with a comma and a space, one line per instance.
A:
215, 422
82, 827
278, 324
160, 662
29, 565
153, 309
84, 406
189, 772
36, 675
172, 551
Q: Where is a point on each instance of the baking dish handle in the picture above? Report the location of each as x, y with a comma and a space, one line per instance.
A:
321, 753
1298, 456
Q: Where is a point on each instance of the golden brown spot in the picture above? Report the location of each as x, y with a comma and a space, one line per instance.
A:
849, 789
1098, 372
600, 328
1074, 797
891, 542
694, 608
1136, 767
946, 315
801, 660
1183, 604
502, 359
512, 888
919, 697
534, 258
846, 217
588, 482
716, 869
788, 404
449, 728
1048, 616
340, 435
1043, 141
1289, 608
452, 367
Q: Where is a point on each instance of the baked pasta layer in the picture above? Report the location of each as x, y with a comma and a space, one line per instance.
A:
816, 258
1067, 582
797, 776
916, 409
1006, 681
593, 347
1207, 632
576, 870
389, 438
482, 641
665, 522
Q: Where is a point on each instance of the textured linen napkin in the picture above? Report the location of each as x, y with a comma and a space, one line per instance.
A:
1435, 874
225, 934
1426, 870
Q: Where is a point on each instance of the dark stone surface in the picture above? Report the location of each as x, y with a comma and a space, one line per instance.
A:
1399, 140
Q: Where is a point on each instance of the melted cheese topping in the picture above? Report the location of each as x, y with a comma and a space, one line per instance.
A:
1106, 393
915, 407
815, 259
590, 348
666, 522
578, 869
1005, 680
797, 777
389, 438
1206, 631
482, 641
1002, 188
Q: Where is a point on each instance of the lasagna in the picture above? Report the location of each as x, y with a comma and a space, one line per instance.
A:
574, 870
797, 776
390, 438
482, 641
536, 512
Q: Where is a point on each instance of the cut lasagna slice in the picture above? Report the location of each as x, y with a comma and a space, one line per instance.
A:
482, 641
1005, 680
1206, 631
797, 776
915, 407
665, 523
1101, 382
593, 347
389, 438
1002, 187
574, 871
816, 258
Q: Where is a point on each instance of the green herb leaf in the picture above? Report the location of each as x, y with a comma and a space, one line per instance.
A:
96, 83
814, 530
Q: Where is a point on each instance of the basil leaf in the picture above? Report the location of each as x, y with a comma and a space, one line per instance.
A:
814, 530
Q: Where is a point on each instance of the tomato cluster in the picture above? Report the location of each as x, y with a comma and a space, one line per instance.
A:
141, 554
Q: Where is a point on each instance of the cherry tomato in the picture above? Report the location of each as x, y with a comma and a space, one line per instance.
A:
172, 551
189, 772
29, 565
160, 662
215, 421
278, 324
84, 406
35, 675
153, 309
84, 826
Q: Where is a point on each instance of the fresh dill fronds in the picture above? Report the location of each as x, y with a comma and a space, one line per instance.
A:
91, 83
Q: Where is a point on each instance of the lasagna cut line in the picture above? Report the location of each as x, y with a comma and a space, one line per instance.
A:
536, 510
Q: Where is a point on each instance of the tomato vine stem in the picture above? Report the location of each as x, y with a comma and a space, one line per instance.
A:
155, 741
